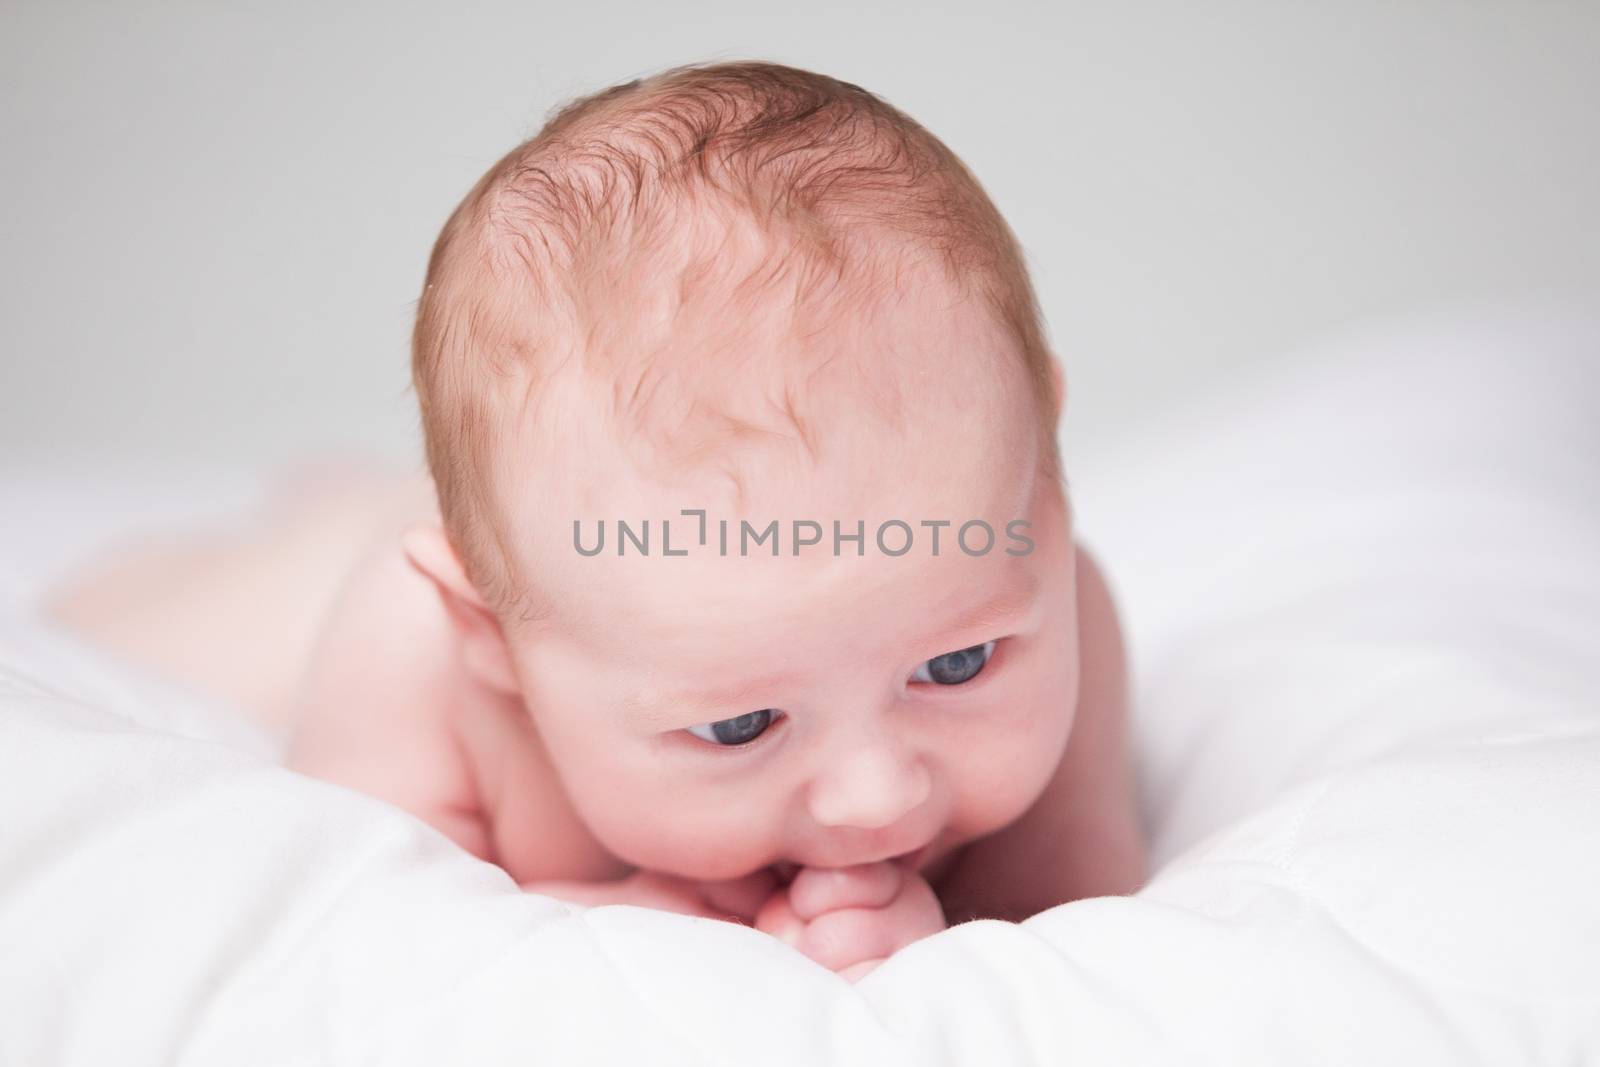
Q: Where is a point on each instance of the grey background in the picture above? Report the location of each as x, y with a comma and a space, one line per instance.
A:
214, 218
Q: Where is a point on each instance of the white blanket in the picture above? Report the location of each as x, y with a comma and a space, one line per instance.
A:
1363, 603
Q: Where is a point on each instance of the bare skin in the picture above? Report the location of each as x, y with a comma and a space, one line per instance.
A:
588, 751
329, 626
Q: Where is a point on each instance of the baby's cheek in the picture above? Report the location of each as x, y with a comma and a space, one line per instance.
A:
670, 831
997, 800
1003, 778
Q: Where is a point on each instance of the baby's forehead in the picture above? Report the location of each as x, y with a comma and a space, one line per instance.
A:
714, 613
930, 456
882, 387
909, 403
636, 555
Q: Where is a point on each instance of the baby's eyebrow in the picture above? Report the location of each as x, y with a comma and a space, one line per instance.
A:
1011, 601
668, 708
663, 709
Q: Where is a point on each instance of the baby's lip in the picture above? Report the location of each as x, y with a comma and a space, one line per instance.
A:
912, 860
785, 870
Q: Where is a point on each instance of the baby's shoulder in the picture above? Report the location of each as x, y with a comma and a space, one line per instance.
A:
1097, 610
386, 627
1102, 646
390, 655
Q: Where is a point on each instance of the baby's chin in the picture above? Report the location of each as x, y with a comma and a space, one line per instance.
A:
699, 869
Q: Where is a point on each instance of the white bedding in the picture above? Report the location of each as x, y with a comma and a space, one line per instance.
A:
1363, 606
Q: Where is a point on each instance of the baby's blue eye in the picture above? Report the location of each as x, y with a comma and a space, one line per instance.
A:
953, 668
736, 731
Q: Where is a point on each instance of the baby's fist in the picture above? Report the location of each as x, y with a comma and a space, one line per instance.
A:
850, 919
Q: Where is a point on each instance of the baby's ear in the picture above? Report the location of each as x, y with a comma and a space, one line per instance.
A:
483, 644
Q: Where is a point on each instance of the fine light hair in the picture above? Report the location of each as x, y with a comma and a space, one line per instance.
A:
645, 184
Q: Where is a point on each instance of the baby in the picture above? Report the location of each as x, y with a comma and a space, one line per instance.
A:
744, 584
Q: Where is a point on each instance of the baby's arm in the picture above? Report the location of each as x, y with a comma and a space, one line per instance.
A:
732, 900
1082, 837
848, 919
377, 705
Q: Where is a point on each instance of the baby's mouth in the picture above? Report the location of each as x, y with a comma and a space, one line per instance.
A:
785, 870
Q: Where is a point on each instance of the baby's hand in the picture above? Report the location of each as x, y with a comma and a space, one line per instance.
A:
850, 919
735, 900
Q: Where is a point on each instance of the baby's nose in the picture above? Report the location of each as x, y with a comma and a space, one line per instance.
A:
873, 787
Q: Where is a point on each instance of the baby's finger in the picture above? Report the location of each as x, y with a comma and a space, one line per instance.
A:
857, 971
840, 939
777, 918
916, 910
817, 890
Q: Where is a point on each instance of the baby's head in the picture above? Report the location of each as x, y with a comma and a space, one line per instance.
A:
759, 311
